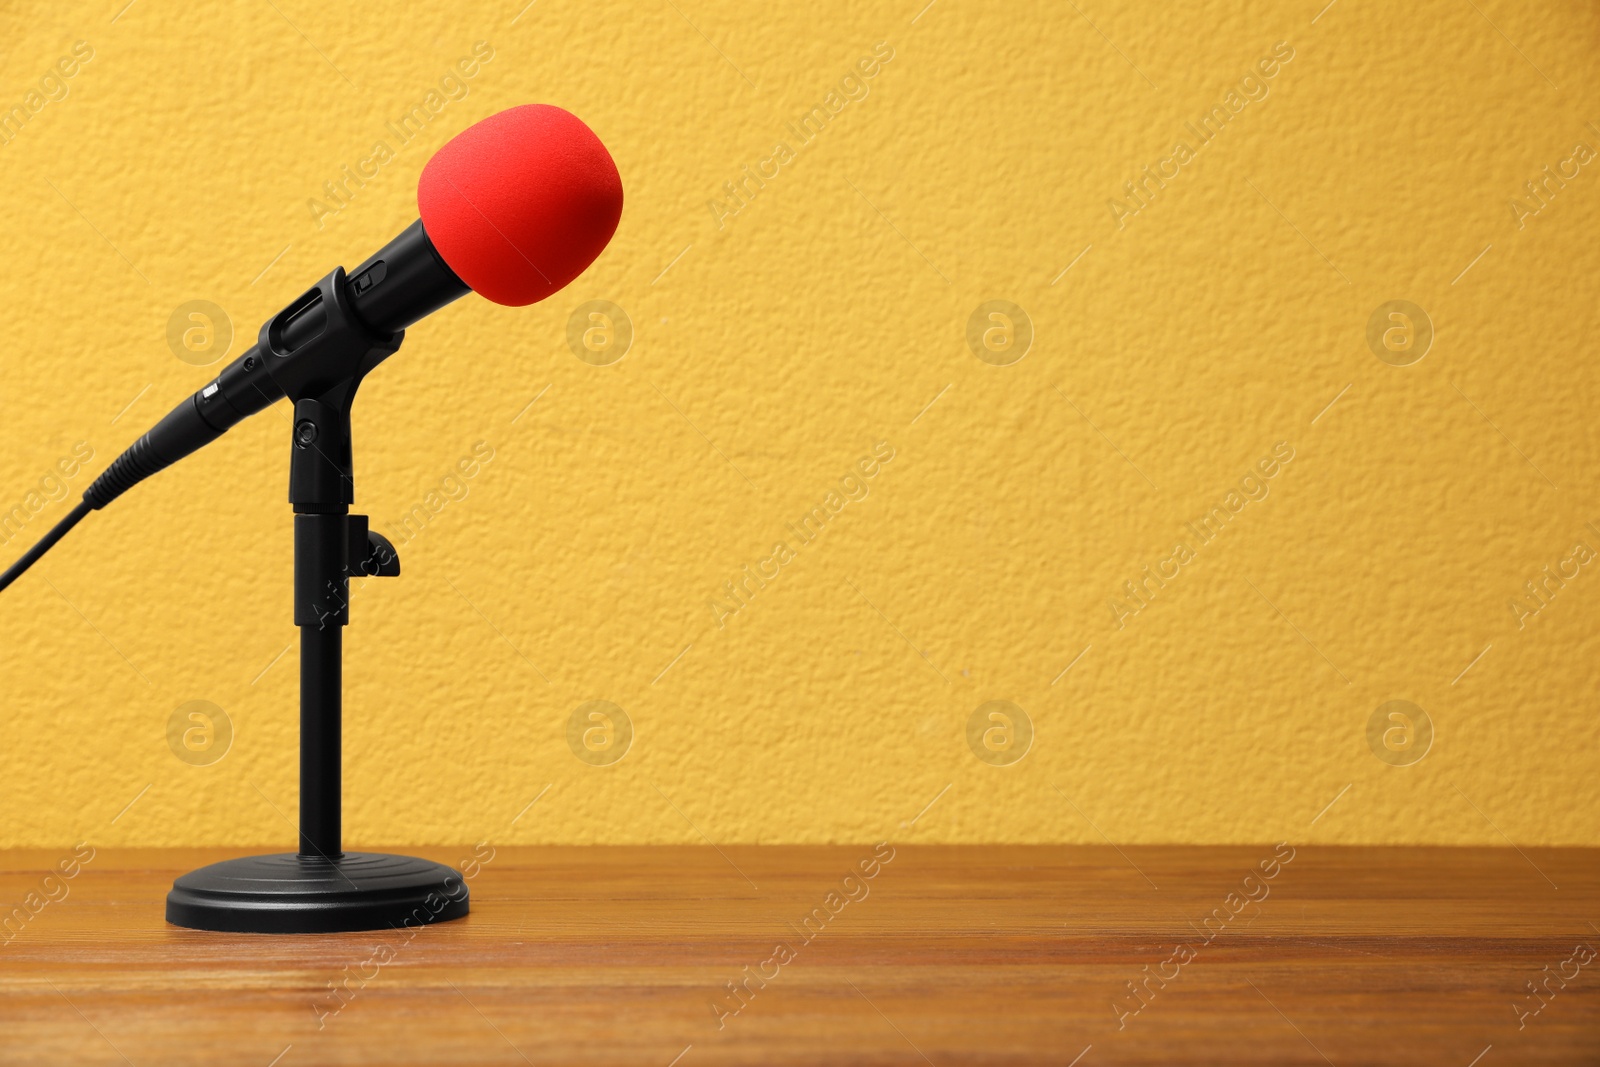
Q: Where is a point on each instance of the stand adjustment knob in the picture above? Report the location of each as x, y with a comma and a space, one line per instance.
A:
371, 553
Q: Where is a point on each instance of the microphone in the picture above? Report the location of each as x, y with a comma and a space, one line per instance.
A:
513, 208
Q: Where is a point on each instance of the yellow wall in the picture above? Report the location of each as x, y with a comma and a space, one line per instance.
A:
776, 346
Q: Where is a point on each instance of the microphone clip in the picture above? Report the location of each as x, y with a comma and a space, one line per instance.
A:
317, 350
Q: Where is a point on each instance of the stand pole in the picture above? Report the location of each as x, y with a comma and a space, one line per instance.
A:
321, 488
321, 713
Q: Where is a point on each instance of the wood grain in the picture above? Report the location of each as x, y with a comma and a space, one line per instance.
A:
950, 955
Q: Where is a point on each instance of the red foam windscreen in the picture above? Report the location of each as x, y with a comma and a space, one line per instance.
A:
521, 203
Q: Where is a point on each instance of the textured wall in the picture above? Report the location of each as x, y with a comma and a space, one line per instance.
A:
1216, 339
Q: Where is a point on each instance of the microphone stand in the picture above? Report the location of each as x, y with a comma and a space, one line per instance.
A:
319, 352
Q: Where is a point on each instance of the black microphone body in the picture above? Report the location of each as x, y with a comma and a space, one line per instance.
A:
404, 281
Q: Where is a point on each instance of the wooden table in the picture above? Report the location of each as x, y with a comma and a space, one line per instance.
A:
945, 955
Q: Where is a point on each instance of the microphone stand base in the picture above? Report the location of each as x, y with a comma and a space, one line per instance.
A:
287, 893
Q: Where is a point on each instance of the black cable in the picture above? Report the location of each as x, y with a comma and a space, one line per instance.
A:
46, 542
